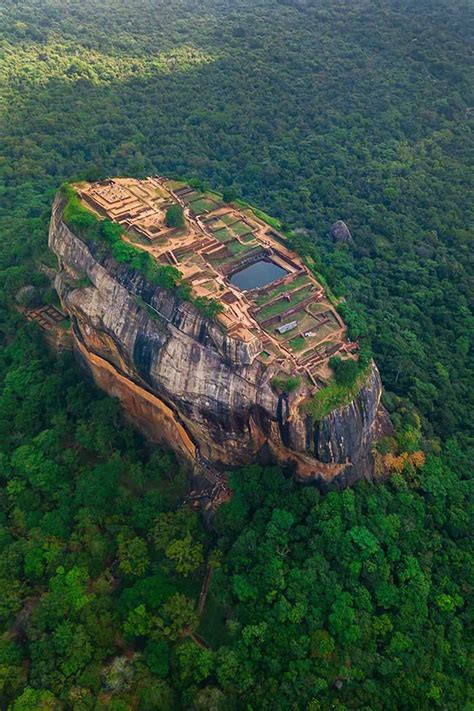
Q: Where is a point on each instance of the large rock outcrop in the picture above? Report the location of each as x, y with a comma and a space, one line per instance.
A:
340, 232
184, 381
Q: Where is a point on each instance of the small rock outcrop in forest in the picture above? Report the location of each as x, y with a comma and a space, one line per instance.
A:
212, 333
340, 232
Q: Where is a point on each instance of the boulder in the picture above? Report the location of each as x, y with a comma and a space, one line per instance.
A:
340, 232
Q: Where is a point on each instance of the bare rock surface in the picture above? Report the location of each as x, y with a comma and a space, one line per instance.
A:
340, 232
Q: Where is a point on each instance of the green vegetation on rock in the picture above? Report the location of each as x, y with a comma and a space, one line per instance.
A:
268, 219
286, 384
335, 395
345, 371
110, 235
175, 216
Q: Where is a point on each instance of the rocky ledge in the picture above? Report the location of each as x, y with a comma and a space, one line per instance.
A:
186, 383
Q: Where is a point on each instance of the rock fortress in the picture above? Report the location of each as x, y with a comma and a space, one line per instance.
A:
231, 362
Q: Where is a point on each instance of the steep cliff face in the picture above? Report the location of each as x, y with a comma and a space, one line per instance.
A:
186, 382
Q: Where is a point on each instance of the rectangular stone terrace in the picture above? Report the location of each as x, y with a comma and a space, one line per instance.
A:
226, 252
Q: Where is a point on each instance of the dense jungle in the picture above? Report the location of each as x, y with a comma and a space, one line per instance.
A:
315, 110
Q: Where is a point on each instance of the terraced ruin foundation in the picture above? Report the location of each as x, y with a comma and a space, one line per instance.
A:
227, 253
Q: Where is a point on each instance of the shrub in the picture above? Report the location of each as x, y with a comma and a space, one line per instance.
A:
174, 216
208, 307
229, 195
286, 385
345, 371
77, 216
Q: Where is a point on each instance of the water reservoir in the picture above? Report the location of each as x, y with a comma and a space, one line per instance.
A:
257, 275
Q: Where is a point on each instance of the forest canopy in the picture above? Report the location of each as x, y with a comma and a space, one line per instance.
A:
315, 111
